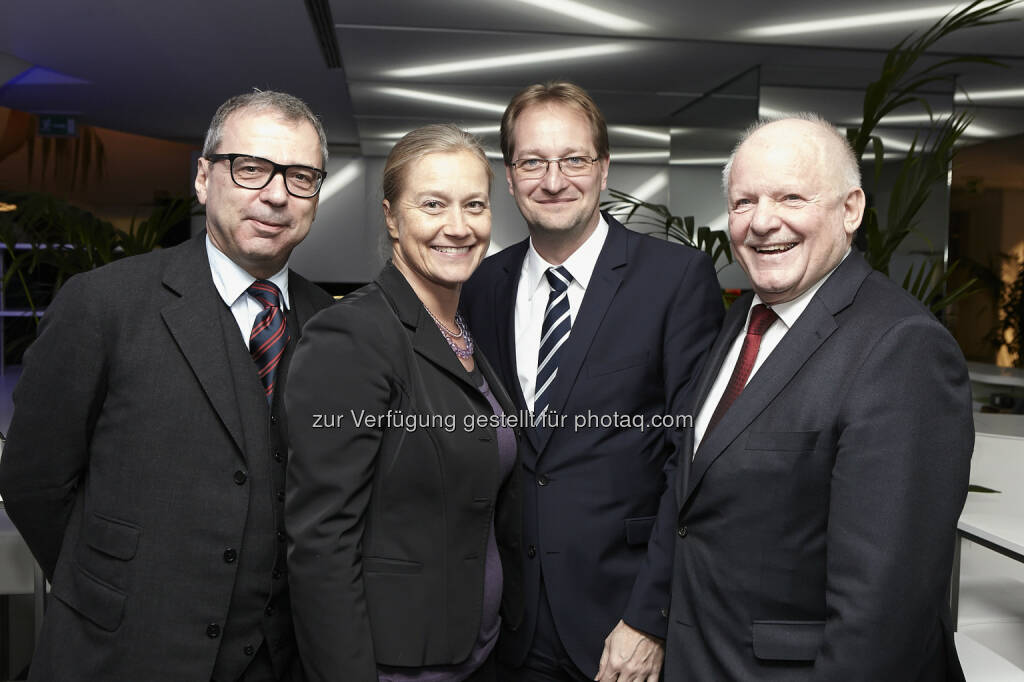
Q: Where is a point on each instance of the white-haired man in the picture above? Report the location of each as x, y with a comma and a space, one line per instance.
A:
817, 496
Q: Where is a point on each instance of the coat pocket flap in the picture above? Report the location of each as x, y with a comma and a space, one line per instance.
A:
94, 600
638, 530
787, 640
114, 538
373, 564
601, 367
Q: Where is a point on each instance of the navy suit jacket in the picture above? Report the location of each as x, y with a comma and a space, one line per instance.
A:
813, 531
591, 494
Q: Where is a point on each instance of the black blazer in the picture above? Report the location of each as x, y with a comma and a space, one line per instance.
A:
813, 531
388, 526
591, 493
120, 468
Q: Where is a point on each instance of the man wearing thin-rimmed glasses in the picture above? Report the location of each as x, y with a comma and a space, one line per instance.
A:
597, 331
145, 464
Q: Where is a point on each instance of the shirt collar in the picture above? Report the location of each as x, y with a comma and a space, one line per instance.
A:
790, 311
580, 264
232, 280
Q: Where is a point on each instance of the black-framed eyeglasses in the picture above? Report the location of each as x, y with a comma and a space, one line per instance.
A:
571, 166
254, 172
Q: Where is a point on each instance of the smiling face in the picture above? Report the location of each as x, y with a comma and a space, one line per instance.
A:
558, 209
791, 216
258, 228
440, 223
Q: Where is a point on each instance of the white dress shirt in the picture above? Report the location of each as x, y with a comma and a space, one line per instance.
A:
232, 281
532, 299
788, 312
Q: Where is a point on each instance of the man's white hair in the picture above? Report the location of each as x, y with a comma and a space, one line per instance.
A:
846, 161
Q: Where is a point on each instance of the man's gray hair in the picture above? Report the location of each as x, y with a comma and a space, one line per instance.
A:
848, 167
289, 107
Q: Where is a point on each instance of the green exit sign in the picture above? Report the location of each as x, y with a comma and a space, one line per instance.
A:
57, 126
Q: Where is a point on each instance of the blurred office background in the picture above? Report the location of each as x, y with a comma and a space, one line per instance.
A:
104, 105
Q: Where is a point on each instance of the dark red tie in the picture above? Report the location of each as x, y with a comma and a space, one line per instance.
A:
269, 335
761, 317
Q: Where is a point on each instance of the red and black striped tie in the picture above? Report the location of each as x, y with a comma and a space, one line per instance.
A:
269, 335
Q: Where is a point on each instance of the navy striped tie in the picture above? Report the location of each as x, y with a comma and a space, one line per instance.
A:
553, 334
269, 335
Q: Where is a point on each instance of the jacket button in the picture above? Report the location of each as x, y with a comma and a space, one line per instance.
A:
278, 457
249, 650
230, 555
664, 613
277, 574
682, 531
281, 536
213, 631
240, 477
280, 496
531, 551
273, 419
542, 480
270, 610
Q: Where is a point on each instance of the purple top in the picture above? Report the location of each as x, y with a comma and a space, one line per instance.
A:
490, 621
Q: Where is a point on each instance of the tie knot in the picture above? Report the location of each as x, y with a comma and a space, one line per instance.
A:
559, 278
266, 293
761, 317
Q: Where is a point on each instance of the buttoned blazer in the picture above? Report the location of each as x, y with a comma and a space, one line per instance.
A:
120, 468
813, 530
591, 491
388, 522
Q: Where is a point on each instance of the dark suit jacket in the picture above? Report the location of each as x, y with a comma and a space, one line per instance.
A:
649, 314
388, 526
815, 526
119, 470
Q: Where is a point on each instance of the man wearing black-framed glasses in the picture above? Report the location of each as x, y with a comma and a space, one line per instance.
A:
146, 460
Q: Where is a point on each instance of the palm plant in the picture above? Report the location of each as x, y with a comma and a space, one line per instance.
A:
902, 82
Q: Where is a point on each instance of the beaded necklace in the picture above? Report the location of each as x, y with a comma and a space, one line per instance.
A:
450, 336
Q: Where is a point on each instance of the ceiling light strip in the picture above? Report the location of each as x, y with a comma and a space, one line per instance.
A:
591, 15
461, 102
505, 61
851, 22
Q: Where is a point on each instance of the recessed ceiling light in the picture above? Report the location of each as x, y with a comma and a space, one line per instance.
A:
851, 22
461, 102
978, 95
706, 161
475, 130
651, 187
641, 132
341, 178
973, 130
636, 156
505, 61
765, 112
591, 15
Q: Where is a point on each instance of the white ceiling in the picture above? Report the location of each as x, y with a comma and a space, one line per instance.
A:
161, 69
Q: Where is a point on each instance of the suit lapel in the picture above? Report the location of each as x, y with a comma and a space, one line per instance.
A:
427, 340
604, 283
301, 302
194, 322
812, 329
506, 286
712, 365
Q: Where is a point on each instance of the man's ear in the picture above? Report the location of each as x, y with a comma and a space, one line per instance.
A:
853, 210
202, 178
